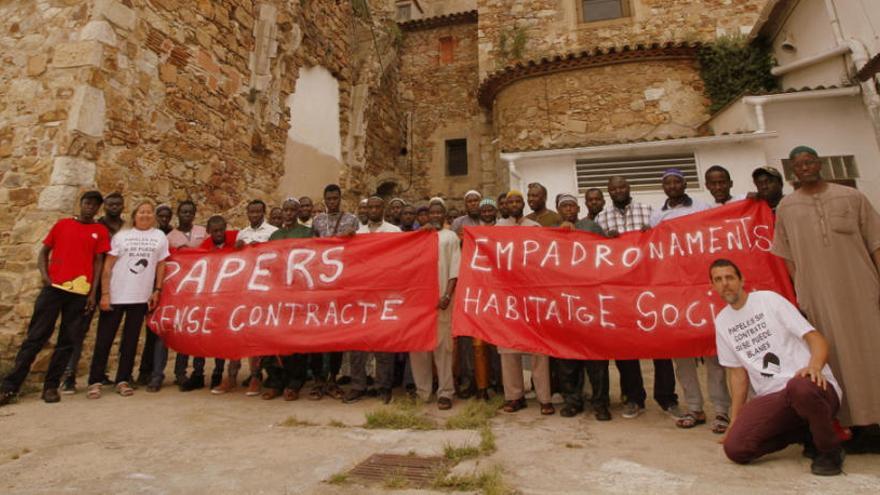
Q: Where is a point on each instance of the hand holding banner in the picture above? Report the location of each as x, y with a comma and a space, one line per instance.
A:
374, 292
576, 295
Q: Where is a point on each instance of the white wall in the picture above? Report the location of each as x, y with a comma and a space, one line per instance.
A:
809, 28
313, 155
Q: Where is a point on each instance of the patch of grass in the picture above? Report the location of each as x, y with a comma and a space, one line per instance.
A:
337, 424
486, 482
293, 422
338, 479
458, 454
487, 440
474, 415
402, 415
395, 481
573, 446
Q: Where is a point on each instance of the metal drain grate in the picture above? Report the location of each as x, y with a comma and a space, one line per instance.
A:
416, 471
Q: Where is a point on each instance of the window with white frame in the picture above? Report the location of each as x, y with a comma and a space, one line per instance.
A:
643, 173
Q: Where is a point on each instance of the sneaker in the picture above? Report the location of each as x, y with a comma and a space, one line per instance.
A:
385, 395
254, 387
828, 463
194, 382
353, 396
68, 387
216, 379
602, 413
51, 396
674, 411
632, 410
444, 403
225, 386
7, 397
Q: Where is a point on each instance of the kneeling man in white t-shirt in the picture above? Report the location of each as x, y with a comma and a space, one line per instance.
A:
763, 340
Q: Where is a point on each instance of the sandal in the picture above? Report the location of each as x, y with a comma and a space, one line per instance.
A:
720, 424
94, 391
317, 392
513, 406
124, 389
547, 409
270, 394
334, 391
691, 419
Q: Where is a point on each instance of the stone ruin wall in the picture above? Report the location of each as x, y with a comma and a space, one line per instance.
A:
552, 27
438, 93
164, 99
593, 106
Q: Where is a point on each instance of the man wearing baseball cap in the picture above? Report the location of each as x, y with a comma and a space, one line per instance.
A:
768, 181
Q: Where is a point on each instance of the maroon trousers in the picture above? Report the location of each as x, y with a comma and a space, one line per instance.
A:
772, 422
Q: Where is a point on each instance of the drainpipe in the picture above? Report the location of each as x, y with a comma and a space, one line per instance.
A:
859, 57
808, 61
759, 101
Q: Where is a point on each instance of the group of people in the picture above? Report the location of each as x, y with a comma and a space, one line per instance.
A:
829, 236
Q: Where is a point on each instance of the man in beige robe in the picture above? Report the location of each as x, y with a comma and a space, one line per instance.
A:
829, 236
448, 261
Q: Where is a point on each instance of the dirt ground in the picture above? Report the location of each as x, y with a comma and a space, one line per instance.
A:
192, 443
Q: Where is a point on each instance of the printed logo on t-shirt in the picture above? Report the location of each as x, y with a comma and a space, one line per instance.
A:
772, 366
94, 235
137, 266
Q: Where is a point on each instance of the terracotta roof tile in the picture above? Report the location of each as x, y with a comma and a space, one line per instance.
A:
590, 144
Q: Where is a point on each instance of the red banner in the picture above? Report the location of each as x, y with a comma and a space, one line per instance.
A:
573, 294
373, 292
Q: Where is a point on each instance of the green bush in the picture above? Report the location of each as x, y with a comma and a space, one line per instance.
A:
732, 66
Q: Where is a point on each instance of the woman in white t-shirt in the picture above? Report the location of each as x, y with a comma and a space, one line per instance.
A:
130, 284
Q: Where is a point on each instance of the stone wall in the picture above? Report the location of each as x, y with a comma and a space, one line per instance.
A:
599, 105
552, 27
438, 85
165, 99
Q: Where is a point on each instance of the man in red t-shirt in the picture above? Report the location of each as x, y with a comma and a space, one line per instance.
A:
70, 264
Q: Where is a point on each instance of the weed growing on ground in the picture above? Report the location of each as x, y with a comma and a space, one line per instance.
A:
458, 454
293, 422
487, 482
337, 424
338, 479
573, 446
396, 481
474, 415
487, 440
401, 415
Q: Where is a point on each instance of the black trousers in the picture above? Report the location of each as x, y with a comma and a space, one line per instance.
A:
108, 325
160, 361
571, 381
148, 353
199, 366
384, 378
49, 304
76, 353
285, 371
316, 365
634, 387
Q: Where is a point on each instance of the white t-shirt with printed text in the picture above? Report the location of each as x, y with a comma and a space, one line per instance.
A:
765, 337
137, 252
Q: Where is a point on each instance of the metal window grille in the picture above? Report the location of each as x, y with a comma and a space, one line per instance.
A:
456, 157
601, 10
642, 173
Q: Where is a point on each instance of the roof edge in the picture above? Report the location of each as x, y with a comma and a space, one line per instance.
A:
465, 17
